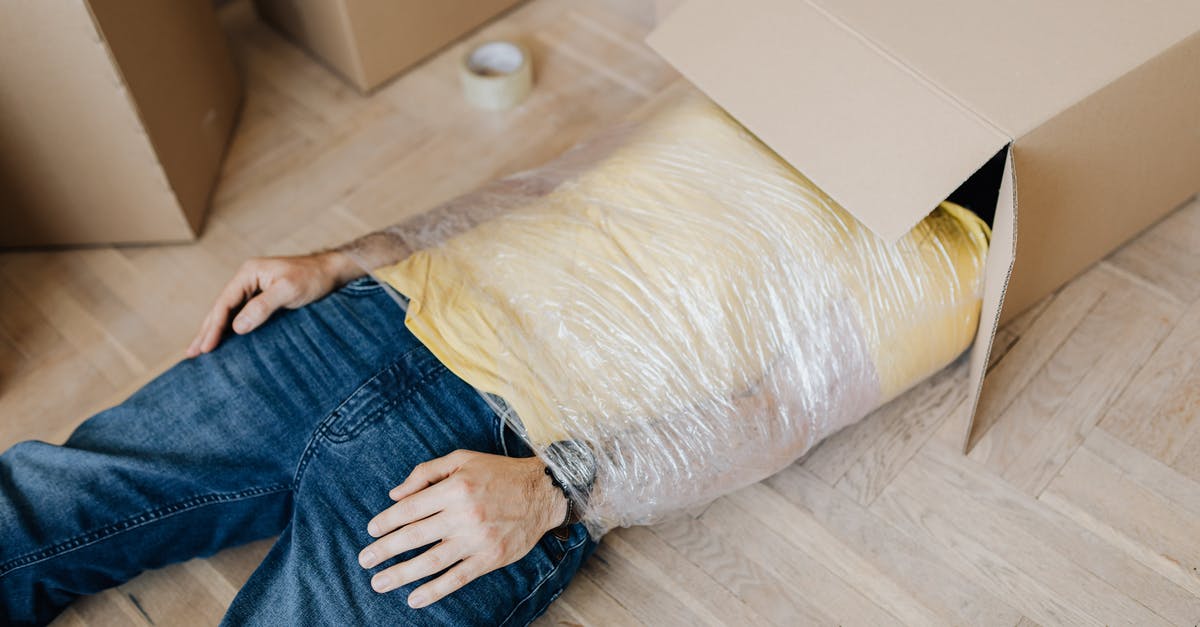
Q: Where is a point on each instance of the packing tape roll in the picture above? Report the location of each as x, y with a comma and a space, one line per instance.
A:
497, 75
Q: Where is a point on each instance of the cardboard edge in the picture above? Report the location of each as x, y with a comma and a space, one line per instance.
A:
1004, 239
339, 62
952, 145
358, 72
375, 81
123, 86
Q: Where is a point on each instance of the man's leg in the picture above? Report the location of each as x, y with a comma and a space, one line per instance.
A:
415, 412
202, 458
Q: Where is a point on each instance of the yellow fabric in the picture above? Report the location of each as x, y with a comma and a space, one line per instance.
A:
617, 229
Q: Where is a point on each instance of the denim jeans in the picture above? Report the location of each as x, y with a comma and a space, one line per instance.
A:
299, 429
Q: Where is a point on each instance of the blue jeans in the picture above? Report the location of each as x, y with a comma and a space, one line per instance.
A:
298, 429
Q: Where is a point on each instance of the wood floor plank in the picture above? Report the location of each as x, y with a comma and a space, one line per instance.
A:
32, 336
1166, 255
1010, 333
1039, 579
924, 575
644, 591
972, 559
83, 331
559, 613
800, 528
910, 421
1092, 552
237, 564
1158, 533
1160, 409
831, 458
1122, 325
1188, 461
1179, 489
780, 581
173, 594
590, 605
111, 608
1107, 351
694, 586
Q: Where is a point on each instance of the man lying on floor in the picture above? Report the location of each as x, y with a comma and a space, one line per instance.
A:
656, 318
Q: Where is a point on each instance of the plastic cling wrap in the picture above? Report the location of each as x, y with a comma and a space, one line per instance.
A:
683, 303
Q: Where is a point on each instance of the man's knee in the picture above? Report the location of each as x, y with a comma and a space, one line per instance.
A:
22, 457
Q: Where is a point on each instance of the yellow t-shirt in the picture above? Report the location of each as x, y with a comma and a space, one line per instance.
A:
678, 270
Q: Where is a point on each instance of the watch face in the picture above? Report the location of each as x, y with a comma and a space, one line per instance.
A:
574, 463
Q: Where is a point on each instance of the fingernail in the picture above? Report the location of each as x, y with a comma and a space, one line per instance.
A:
239, 326
381, 583
416, 600
373, 529
367, 559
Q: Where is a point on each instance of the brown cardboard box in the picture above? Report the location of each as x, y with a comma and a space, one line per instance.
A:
663, 8
370, 41
1091, 110
114, 117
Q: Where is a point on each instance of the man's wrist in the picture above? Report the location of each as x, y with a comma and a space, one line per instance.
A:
340, 267
553, 502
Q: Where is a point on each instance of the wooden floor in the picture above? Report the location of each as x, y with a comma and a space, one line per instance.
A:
1081, 504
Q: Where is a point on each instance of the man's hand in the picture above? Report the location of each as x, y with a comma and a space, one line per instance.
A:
483, 511
266, 284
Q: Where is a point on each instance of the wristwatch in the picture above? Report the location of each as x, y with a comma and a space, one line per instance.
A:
574, 472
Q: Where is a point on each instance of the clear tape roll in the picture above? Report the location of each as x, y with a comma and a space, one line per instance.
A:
496, 75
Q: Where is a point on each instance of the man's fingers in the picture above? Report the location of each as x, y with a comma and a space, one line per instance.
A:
462, 574
411, 537
258, 309
213, 328
420, 505
193, 349
433, 561
428, 473
237, 290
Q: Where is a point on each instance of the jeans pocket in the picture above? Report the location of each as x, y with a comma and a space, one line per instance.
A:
560, 560
564, 550
362, 286
380, 395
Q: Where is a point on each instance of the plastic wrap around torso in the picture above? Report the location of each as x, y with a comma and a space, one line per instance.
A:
693, 308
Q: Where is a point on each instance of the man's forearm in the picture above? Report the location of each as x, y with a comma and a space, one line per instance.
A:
394, 243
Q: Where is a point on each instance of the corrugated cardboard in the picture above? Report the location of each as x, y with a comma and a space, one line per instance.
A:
890, 106
114, 116
370, 41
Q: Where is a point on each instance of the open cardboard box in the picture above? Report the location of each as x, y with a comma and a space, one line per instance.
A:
1082, 117
114, 119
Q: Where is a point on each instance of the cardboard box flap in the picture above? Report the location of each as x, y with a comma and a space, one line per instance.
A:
1019, 63
877, 137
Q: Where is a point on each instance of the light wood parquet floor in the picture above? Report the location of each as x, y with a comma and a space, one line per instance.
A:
1079, 505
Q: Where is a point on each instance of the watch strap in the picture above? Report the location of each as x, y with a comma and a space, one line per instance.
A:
563, 531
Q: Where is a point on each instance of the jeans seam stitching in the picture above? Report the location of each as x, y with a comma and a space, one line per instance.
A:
133, 522
396, 399
322, 431
543, 581
546, 605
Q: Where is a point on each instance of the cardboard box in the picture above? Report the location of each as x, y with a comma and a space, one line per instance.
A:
114, 117
1089, 113
371, 41
663, 8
